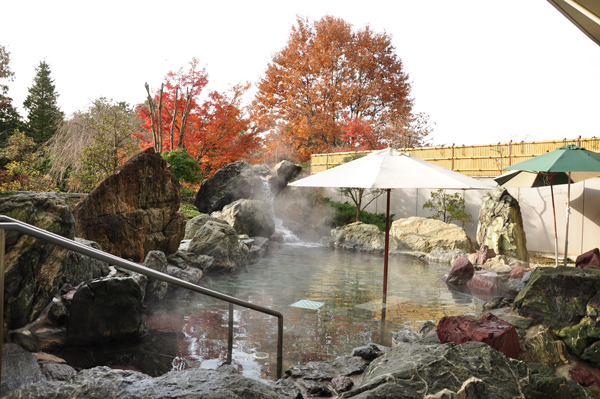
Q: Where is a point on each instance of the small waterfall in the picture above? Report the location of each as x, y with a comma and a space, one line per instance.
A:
288, 236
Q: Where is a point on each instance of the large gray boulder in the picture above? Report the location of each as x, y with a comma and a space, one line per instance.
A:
19, 368
559, 297
470, 370
102, 383
237, 180
251, 217
424, 235
34, 269
501, 225
135, 210
108, 310
283, 172
361, 237
195, 223
220, 241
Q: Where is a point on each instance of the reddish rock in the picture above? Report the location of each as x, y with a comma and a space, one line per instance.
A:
135, 210
589, 258
489, 329
342, 384
518, 271
482, 255
485, 284
582, 376
461, 271
597, 374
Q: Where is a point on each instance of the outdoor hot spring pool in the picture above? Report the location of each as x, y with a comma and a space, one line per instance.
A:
348, 284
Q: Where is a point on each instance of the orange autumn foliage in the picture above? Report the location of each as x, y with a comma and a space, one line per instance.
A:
214, 130
325, 71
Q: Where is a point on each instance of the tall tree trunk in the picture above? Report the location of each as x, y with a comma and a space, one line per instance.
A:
174, 116
152, 108
186, 112
160, 130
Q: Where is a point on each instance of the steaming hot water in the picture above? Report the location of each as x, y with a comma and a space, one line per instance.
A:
341, 293
349, 286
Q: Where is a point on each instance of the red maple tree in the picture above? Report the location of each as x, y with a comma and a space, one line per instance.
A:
215, 130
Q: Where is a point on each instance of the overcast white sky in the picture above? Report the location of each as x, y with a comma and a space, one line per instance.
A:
484, 71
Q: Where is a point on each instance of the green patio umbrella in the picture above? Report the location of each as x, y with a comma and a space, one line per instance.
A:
565, 165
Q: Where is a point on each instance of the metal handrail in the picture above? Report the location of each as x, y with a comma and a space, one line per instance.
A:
7, 223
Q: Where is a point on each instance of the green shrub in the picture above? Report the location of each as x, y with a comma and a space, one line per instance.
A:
187, 195
188, 210
183, 166
345, 213
447, 207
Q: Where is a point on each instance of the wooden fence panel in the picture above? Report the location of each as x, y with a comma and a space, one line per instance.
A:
471, 160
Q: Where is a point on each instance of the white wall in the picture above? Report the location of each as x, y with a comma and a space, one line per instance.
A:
536, 209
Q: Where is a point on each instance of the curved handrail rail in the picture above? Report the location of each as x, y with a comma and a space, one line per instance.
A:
7, 223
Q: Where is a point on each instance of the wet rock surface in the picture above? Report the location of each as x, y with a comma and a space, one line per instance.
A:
135, 210
102, 383
415, 371
325, 371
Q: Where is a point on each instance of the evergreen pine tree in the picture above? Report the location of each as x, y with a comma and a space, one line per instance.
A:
44, 116
10, 120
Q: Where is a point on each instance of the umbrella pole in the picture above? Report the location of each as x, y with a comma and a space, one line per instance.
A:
568, 213
554, 215
386, 255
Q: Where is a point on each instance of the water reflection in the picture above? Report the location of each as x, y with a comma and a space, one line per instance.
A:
349, 285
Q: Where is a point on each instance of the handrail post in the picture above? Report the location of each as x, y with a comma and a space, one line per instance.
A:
279, 347
230, 334
2, 243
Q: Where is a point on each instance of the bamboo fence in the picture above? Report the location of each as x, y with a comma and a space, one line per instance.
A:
472, 160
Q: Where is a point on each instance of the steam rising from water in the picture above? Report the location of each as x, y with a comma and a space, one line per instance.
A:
288, 235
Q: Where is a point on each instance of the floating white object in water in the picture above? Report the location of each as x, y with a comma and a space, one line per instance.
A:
306, 304
260, 355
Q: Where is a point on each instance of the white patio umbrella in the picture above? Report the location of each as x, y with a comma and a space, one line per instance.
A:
389, 169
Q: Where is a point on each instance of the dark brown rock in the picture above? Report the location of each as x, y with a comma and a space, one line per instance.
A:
135, 210
461, 272
589, 258
35, 270
489, 329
